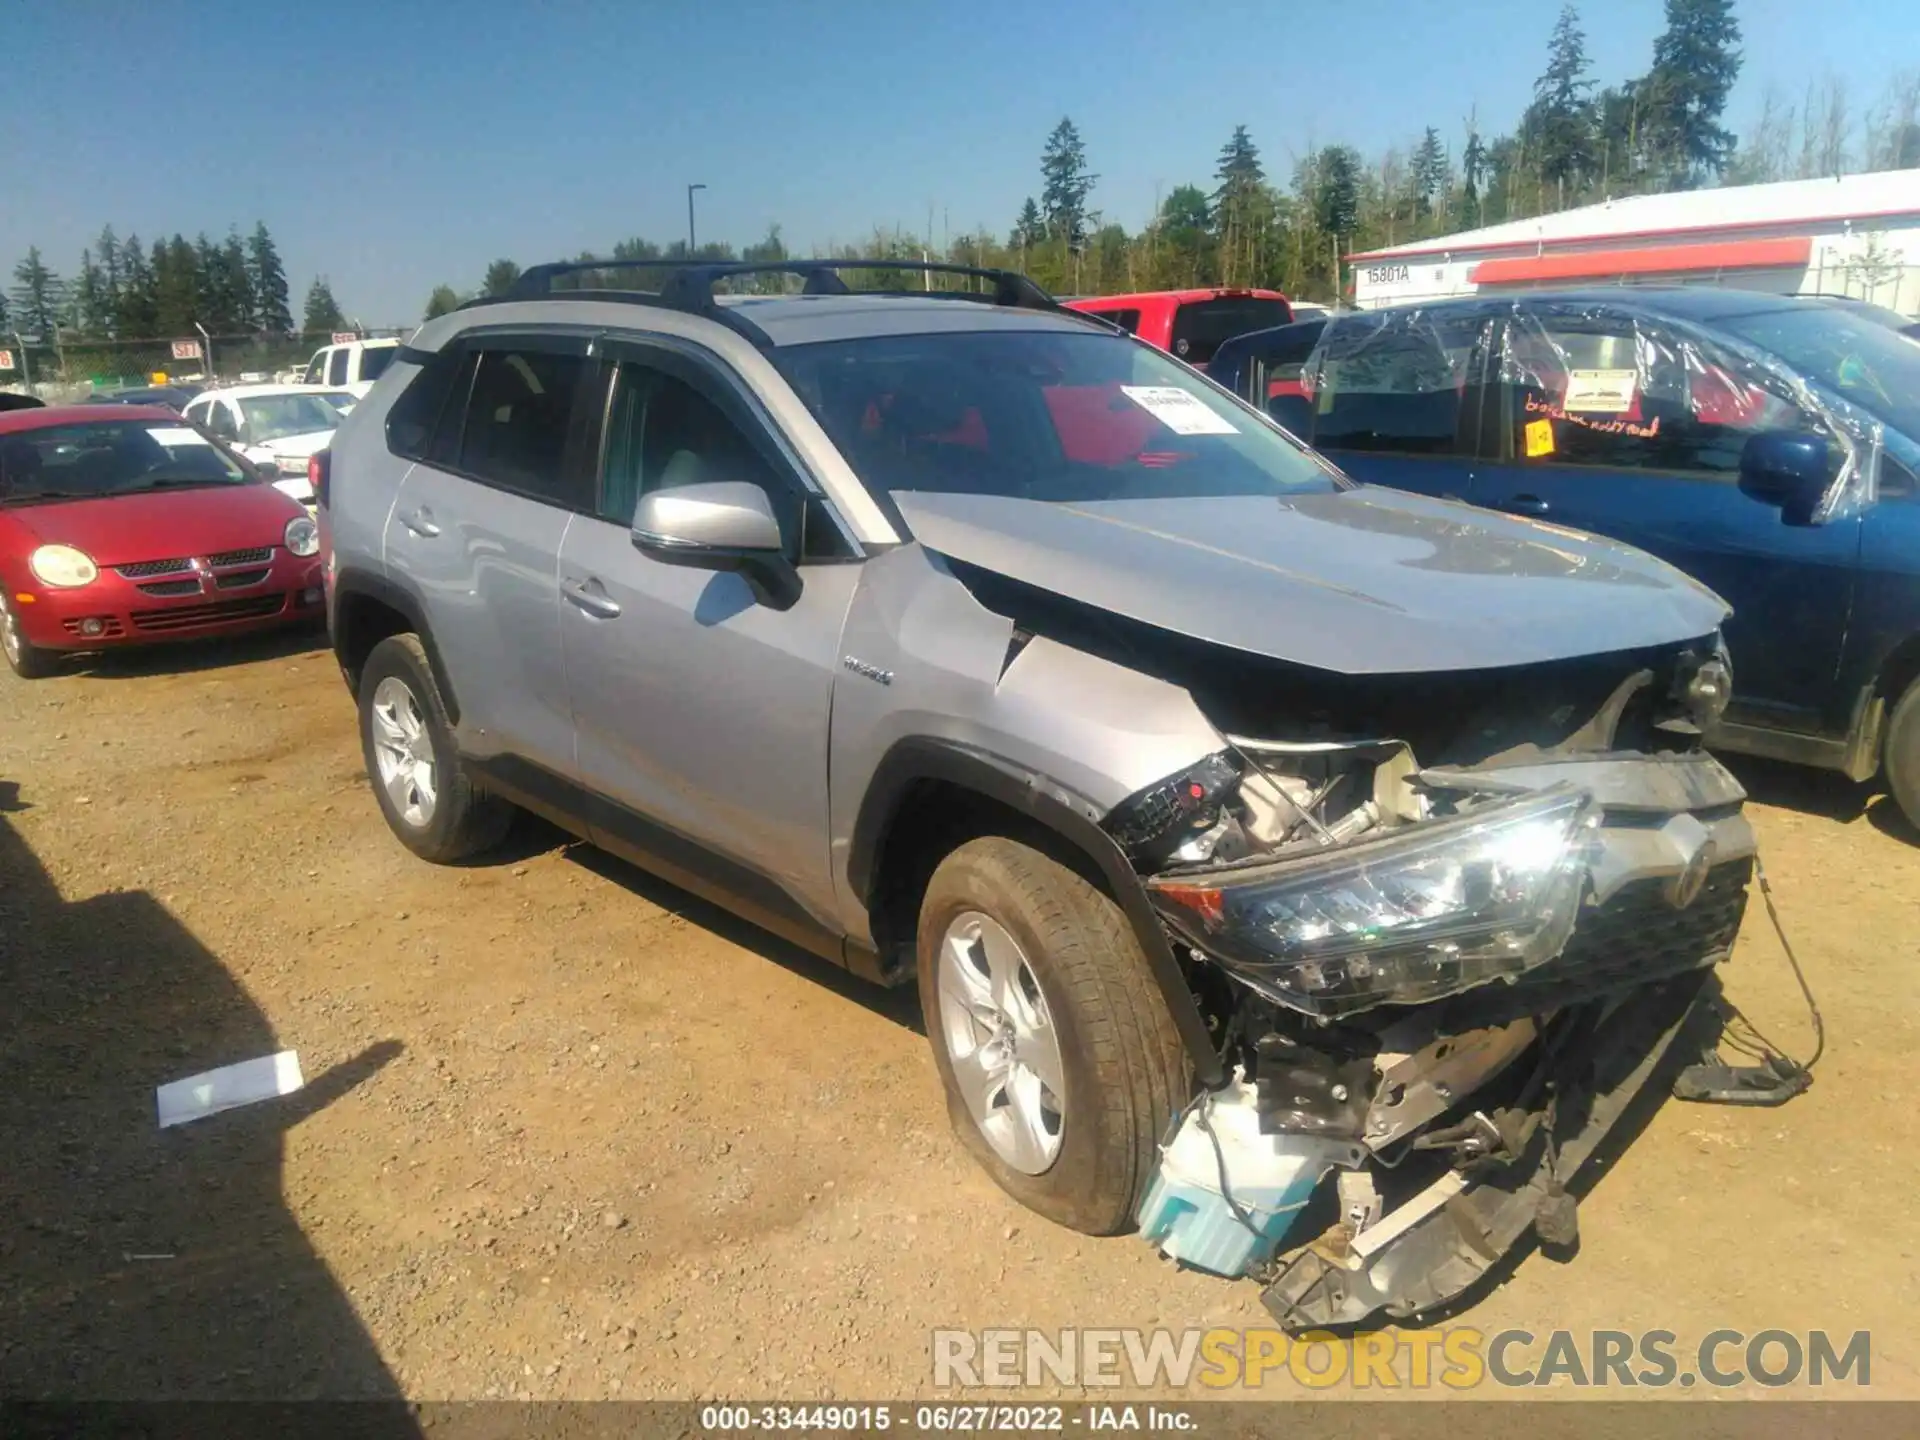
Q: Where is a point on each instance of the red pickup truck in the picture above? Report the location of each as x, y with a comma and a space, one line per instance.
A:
1190, 323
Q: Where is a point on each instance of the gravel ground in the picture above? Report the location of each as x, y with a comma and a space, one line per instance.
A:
569, 1133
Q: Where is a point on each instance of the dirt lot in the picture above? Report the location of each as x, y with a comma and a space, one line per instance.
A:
569, 1133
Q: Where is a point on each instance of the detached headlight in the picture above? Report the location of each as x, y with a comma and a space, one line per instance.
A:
1400, 920
303, 536
63, 567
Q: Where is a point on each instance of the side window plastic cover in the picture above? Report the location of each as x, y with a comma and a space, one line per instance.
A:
1665, 346
1377, 350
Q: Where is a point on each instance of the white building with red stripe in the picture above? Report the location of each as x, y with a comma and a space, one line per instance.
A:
1855, 235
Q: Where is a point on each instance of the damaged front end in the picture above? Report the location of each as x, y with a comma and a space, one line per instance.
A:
1439, 965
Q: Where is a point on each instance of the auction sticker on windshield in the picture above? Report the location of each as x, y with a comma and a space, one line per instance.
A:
1181, 411
1600, 392
172, 435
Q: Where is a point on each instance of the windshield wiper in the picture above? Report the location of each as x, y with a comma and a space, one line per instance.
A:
170, 482
11, 497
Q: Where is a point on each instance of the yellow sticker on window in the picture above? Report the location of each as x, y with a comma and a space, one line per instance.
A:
1539, 438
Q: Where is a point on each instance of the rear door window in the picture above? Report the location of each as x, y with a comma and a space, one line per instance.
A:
1397, 384
1200, 327
337, 367
514, 426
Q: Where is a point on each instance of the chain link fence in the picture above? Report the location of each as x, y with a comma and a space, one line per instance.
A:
78, 367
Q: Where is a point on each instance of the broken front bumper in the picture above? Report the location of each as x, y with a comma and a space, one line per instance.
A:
1439, 1242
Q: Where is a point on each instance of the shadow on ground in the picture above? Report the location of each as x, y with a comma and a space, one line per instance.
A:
532, 836
1825, 793
188, 657
139, 1264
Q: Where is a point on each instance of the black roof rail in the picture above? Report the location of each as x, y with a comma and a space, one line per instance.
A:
689, 286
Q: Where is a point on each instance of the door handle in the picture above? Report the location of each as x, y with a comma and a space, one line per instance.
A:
420, 522
1525, 505
588, 595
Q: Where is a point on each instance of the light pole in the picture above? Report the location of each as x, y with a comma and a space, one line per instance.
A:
690, 190
206, 349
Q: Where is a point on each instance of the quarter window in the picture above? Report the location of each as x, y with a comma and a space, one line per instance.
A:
337, 368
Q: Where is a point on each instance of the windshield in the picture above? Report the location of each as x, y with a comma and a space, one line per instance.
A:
274, 417
1039, 415
1849, 355
109, 457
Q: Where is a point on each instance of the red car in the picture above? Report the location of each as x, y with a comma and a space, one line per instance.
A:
1191, 324
129, 526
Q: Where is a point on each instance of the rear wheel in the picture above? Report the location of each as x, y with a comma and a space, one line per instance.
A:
423, 789
24, 658
1061, 1064
1903, 754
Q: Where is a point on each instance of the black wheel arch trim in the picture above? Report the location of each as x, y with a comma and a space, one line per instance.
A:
1073, 818
351, 582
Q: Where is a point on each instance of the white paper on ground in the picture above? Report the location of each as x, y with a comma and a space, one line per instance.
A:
1181, 411
228, 1087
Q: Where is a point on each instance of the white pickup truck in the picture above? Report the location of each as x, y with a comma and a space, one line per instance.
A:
353, 366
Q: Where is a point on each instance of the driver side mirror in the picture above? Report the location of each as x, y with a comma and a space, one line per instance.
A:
1788, 469
719, 525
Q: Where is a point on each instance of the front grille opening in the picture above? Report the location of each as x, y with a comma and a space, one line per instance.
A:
240, 579
257, 556
140, 569
171, 587
184, 617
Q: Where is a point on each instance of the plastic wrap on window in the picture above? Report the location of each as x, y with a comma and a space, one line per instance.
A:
1393, 380
1595, 379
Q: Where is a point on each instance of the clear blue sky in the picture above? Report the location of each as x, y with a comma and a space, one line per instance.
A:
398, 144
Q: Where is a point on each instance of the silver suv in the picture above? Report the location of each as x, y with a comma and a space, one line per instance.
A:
1304, 872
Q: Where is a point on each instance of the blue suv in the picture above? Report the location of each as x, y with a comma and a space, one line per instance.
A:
1767, 445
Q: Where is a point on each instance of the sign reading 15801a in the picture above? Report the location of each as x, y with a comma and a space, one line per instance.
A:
1387, 274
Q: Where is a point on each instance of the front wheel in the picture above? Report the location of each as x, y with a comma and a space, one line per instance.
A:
1061, 1064
24, 658
423, 789
1903, 754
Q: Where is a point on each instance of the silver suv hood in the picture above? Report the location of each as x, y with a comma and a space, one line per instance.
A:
1363, 581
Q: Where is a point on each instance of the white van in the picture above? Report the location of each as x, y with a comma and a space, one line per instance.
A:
352, 367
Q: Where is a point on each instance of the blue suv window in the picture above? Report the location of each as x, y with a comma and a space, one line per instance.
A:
1623, 392
1397, 384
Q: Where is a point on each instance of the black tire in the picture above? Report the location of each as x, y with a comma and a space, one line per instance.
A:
464, 820
24, 658
1125, 1070
1903, 754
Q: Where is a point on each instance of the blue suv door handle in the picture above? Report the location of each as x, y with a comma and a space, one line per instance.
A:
591, 597
1524, 505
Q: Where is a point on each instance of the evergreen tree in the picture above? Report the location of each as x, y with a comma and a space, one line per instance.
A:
39, 296
1558, 126
106, 250
176, 288
91, 304
267, 283
136, 315
1695, 63
1336, 191
323, 311
1065, 185
1185, 236
208, 303
1241, 206
233, 287
1473, 168
1427, 178
443, 301
1028, 229
500, 277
